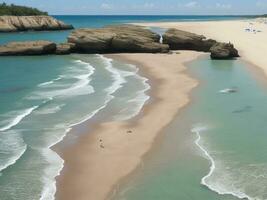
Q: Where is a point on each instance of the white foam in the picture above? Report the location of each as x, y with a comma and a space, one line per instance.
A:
117, 76
80, 87
56, 164
140, 99
119, 79
20, 115
49, 82
50, 109
13, 146
205, 180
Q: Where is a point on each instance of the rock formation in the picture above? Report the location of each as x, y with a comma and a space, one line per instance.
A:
123, 39
223, 51
182, 40
28, 48
113, 39
64, 48
31, 23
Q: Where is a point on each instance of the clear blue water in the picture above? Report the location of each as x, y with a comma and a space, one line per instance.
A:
42, 97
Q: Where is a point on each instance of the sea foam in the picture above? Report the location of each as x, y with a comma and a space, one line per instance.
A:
79, 77
12, 146
119, 77
19, 115
218, 188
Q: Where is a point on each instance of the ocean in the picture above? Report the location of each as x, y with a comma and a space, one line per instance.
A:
43, 97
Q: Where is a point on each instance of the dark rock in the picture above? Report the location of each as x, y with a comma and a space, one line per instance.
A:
182, 40
113, 39
28, 48
223, 51
64, 48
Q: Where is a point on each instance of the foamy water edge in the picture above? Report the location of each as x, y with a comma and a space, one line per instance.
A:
204, 181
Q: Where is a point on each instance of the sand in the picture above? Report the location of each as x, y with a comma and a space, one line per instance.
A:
105, 156
252, 46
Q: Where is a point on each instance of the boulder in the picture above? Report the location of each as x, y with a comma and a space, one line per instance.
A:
31, 23
223, 51
113, 39
64, 48
182, 40
28, 48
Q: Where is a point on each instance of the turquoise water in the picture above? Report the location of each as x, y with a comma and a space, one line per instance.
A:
216, 148
42, 97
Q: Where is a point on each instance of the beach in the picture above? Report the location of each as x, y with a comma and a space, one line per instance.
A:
137, 125
251, 45
102, 158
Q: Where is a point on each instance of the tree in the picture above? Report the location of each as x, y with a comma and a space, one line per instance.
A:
16, 10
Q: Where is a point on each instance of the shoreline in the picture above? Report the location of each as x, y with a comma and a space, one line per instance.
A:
86, 173
249, 44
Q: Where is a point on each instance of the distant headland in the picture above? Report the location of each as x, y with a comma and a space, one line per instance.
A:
14, 18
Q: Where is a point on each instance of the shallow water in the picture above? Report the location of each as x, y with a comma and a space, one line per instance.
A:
42, 98
216, 148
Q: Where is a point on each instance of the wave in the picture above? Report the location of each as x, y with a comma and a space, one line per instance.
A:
13, 146
139, 100
116, 74
56, 164
205, 180
50, 82
80, 87
50, 110
119, 79
17, 119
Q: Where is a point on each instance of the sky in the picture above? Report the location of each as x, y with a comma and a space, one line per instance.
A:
147, 7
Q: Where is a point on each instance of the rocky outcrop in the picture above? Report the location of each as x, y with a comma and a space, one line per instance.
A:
223, 51
182, 40
64, 48
122, 39
113, 39
28, 48
31, 23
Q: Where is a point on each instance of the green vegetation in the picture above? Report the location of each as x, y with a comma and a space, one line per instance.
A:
16, 10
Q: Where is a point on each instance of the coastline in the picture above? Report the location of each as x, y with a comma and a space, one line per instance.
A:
102, 158
251, 45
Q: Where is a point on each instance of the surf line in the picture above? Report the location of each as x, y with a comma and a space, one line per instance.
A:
240, 195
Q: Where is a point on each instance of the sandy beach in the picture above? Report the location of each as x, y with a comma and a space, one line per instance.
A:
102, 158
252, 46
